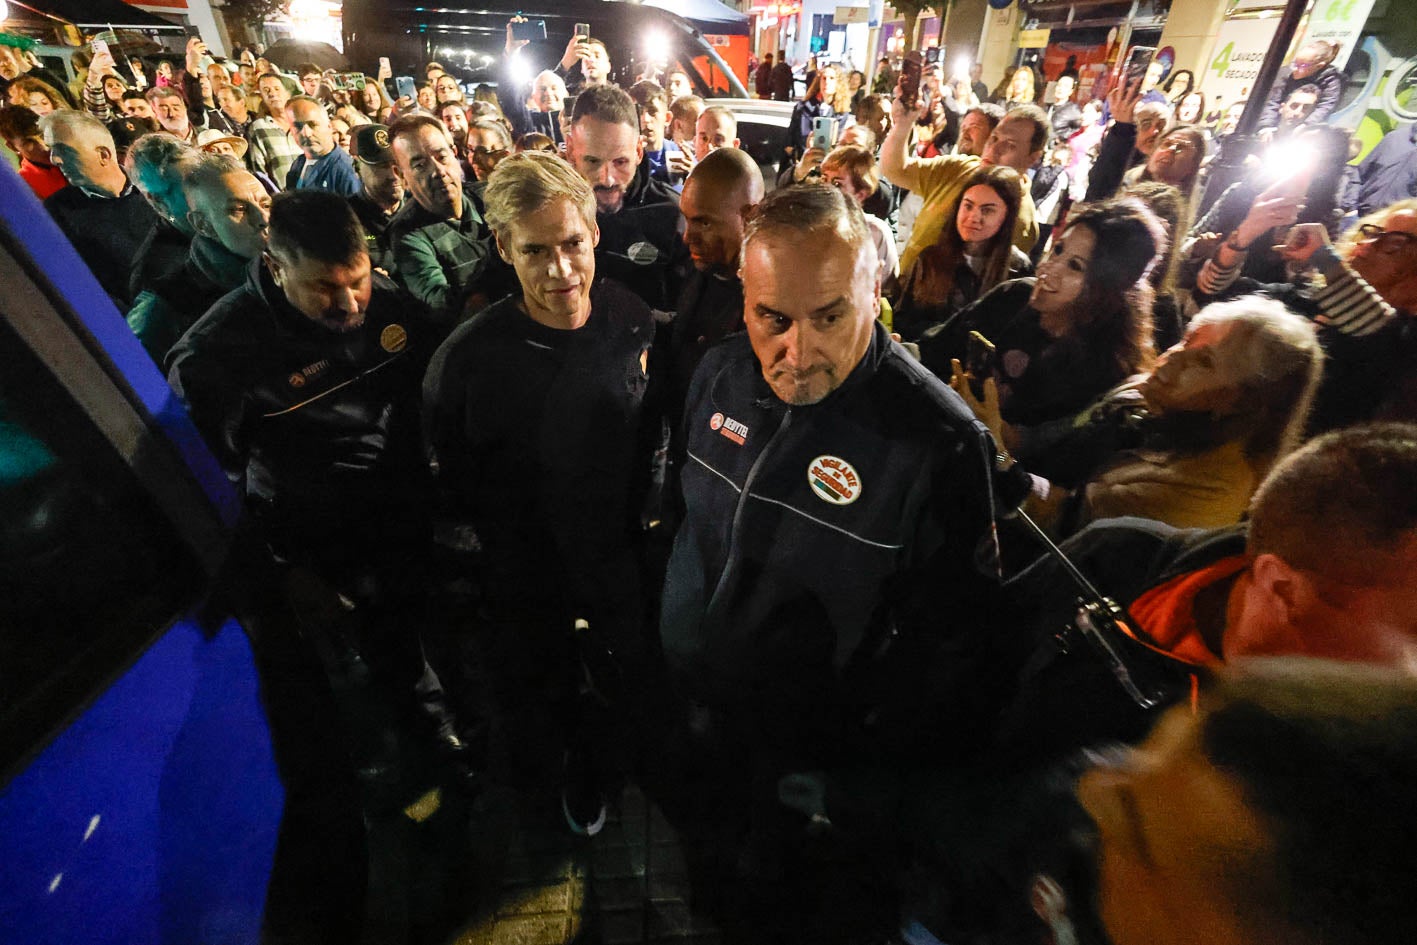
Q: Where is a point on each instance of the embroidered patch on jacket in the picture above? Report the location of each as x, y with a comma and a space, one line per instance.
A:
735, 431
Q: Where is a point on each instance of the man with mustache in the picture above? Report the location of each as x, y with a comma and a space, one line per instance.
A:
641, 230
441, 242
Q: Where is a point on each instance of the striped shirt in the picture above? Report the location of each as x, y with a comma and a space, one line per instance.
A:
1347, 304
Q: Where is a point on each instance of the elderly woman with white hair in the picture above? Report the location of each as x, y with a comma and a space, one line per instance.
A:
1188, 442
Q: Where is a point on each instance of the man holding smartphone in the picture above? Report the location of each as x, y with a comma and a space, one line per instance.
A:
591, 54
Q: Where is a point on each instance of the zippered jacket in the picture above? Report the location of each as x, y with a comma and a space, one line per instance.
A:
823, 595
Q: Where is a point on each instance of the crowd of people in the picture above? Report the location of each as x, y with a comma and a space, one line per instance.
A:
623, 463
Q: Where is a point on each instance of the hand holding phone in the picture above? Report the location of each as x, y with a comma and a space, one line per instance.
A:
910, 70
823, 133
527, 31
406, 88
1138, 62
979, 359
386, 71
583, 31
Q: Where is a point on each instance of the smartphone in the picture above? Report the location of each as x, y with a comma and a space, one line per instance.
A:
823, 133
910, 79
354, 80
384, 64
531, 30
979, 360
99, 46
406, 88
583, 30
1138, 61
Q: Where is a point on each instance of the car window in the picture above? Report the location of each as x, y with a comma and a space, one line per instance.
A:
90, 569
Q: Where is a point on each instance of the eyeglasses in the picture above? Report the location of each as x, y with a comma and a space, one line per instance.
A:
1180, 147
1386, 242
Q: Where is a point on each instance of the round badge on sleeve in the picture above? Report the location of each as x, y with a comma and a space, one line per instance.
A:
642, 253
393, 339
834, 480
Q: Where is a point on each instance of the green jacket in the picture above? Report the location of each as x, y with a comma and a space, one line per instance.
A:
446, 262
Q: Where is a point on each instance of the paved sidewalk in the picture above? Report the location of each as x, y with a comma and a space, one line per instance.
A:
626, 886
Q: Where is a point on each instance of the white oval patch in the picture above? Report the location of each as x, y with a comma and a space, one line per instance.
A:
834, 480
642, 253
715, 421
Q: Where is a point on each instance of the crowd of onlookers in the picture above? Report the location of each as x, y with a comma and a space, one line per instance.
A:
623, 461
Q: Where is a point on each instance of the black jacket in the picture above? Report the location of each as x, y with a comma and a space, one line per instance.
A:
1067, 697
376, 232
1115, 154
322, 426
537, 437
822, 593
642, 245
107, 233
1040, 378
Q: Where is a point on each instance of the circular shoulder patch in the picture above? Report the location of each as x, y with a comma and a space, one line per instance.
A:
1014, 362
715, 421
642, 253
393, 338
834, 480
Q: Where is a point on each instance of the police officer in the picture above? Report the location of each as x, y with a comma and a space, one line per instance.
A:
380, 193
822, 604
640, 226
441, 242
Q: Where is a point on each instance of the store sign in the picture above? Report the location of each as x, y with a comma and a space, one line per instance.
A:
847, 15
1338, 21
1033, 39
1235, 60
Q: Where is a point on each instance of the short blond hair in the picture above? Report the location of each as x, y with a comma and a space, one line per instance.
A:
524, 183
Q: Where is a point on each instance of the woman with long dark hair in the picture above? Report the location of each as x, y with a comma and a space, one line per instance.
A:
971, 256
1060, 340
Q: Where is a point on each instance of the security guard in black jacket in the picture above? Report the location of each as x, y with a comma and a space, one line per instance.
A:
641, 231
305, 383
823, 604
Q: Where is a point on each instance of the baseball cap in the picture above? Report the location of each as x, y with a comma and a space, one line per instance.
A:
126, 130
371, 144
